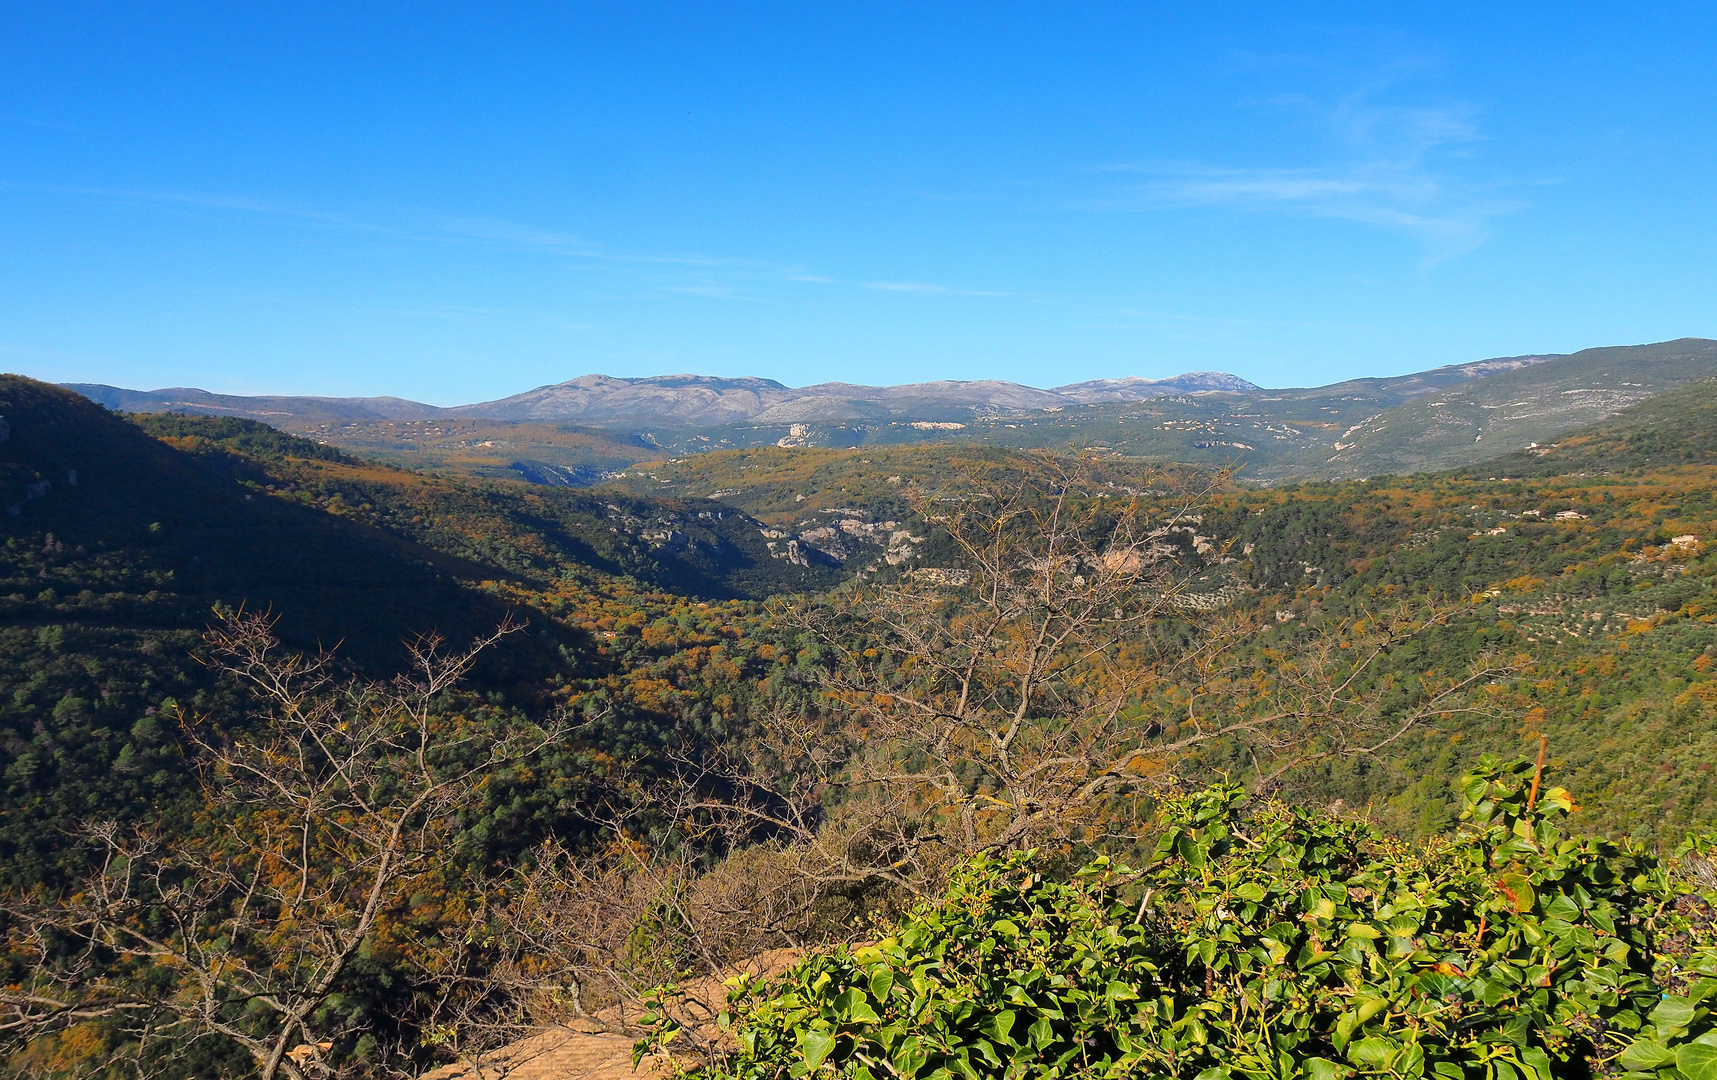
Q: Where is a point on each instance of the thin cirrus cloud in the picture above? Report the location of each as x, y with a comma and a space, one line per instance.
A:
407, 226
1445, 222
528, 238
271, 209
1397, 168
719, 277
924, 288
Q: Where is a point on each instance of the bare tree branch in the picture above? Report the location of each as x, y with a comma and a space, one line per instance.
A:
320, 817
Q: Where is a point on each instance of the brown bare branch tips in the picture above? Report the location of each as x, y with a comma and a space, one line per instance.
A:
1058, 654
1032, 693
324, 813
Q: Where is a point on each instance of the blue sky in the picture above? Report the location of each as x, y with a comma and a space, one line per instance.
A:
458, 203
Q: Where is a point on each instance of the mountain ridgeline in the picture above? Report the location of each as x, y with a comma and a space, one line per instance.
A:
694, 400
578, 432
1677, 427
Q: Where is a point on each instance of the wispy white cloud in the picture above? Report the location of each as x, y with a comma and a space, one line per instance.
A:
1397, 167
239, 204
531, 238
1447, 219
722, 277
923, 288
514, 235
714, 290
409, 225
50, 125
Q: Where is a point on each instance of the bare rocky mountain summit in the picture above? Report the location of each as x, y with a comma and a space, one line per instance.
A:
712, 401
705, 400
1134, 388
692, 400
584, 429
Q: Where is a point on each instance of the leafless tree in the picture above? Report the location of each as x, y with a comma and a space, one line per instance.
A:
322, 816
576, 942
1061, 666
1059, 670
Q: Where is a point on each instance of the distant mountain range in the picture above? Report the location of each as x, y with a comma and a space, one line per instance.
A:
576, 432
694, 400
289, 413
708, 401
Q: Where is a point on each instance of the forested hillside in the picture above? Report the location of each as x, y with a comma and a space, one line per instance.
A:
122, 538
783, 485
767, 691
1600, 590
527, 530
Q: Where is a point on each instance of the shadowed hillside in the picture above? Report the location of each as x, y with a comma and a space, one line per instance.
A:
118, 538
115, 548
506, 527
106, 525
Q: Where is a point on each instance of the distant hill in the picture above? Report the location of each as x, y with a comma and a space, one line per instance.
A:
687, 400
1478, 419
1397, 389
1133, 388
561, 455
279, 410
705, 401
578, 432
1678, 427
684, 399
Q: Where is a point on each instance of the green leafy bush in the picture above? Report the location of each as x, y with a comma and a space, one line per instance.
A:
1269, 942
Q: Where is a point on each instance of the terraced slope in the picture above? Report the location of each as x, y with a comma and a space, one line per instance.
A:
1503, 413
1674, 428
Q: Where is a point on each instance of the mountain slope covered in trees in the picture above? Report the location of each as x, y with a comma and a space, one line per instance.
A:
736, 763
1573, 573
120, 538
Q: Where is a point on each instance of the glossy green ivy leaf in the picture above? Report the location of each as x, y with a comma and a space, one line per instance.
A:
1645, 1056
814, 1046
1696, 1061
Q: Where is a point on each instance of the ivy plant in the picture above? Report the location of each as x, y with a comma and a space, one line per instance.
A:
1269, 942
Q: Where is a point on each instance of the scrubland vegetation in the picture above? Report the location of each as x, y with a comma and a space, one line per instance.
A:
1068, 767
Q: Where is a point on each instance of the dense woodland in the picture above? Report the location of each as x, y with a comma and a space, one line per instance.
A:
784, 698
